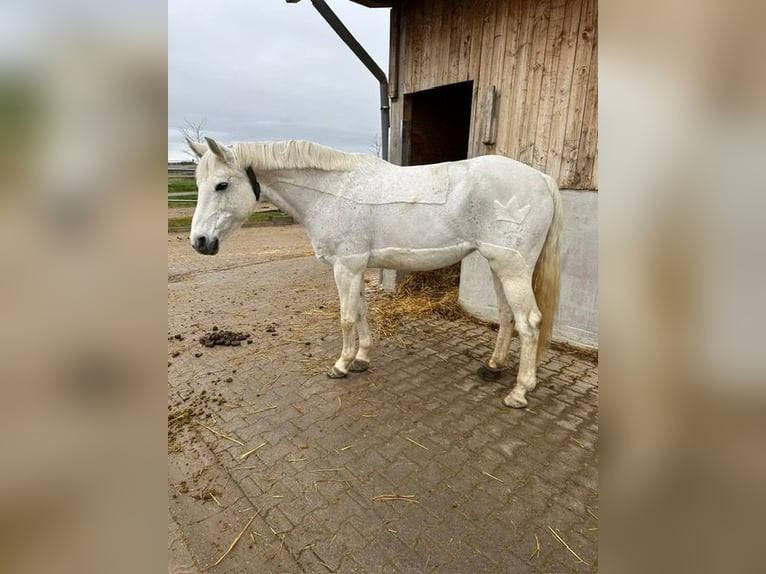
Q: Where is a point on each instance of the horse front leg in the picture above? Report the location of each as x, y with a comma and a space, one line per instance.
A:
350, 283
362, 360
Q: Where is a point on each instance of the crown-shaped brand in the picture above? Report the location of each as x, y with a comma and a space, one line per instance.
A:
511, 211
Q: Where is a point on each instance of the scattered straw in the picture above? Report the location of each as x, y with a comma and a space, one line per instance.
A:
419, 294
394, 496
223, 435
233, 543
327, 469
244, 455
297, 459
416, 443
278, 535
537, 548
591, 513
492, 477
560, 539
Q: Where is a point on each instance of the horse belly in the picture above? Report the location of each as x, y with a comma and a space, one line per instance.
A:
423, 259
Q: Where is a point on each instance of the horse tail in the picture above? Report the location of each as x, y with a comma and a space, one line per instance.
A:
546, 278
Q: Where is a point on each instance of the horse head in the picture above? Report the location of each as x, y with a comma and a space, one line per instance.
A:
225, 195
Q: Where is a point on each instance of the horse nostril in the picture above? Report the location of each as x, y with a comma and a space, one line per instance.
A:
200, 243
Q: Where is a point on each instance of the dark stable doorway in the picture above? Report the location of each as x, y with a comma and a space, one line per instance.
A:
437, 124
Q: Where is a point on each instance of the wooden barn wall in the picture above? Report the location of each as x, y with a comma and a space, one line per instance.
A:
542, 58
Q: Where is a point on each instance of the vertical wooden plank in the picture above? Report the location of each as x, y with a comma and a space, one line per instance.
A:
499, 40
513, 70
430, 53
520, 53
395, 143
466, 36
476, 12
492, 62
588, 146
394, 49
548, 88
408, 39
427, 53
483, 76
594, 176
441, 62
455, 13
538, 44
572, 13
507, 78
570, 176
414, 23
397, 104
489, 111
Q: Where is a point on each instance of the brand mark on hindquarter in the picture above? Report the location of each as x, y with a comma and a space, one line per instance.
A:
511, 211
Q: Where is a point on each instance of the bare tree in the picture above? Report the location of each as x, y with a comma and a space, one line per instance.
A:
193, 130
376, 147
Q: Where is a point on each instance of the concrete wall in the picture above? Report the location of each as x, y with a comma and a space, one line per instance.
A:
577, 320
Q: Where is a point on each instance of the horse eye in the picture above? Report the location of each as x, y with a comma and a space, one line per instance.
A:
221, 186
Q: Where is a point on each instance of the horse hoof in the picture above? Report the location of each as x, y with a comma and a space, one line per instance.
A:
336, 373
359, 366
489, 374
515, 402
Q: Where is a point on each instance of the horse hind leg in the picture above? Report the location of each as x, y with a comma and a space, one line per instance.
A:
528, 318
499, 360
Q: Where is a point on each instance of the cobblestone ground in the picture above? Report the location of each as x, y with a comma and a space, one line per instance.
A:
414, 466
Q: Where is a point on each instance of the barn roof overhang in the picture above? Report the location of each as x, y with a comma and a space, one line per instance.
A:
377, 3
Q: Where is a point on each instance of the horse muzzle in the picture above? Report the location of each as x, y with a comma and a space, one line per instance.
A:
204, 245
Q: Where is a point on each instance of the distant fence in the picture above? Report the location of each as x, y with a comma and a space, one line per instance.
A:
181, 170
182, 197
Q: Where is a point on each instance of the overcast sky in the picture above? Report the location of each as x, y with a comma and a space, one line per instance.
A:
267, 70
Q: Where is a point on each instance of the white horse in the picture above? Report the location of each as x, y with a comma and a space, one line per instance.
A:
361, 211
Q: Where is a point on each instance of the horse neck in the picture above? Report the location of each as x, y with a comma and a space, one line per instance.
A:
293, 173
295, 191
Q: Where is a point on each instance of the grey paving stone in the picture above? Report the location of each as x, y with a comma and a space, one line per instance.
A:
311, 518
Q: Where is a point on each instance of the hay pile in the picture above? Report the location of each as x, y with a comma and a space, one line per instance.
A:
419, 294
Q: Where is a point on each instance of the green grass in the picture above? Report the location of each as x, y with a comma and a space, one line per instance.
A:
261, 216
177, 184
184, 185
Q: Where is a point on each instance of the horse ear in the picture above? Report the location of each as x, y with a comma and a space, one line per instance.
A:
198, 148
221, 151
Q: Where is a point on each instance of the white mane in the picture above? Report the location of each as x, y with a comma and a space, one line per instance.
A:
296, 154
